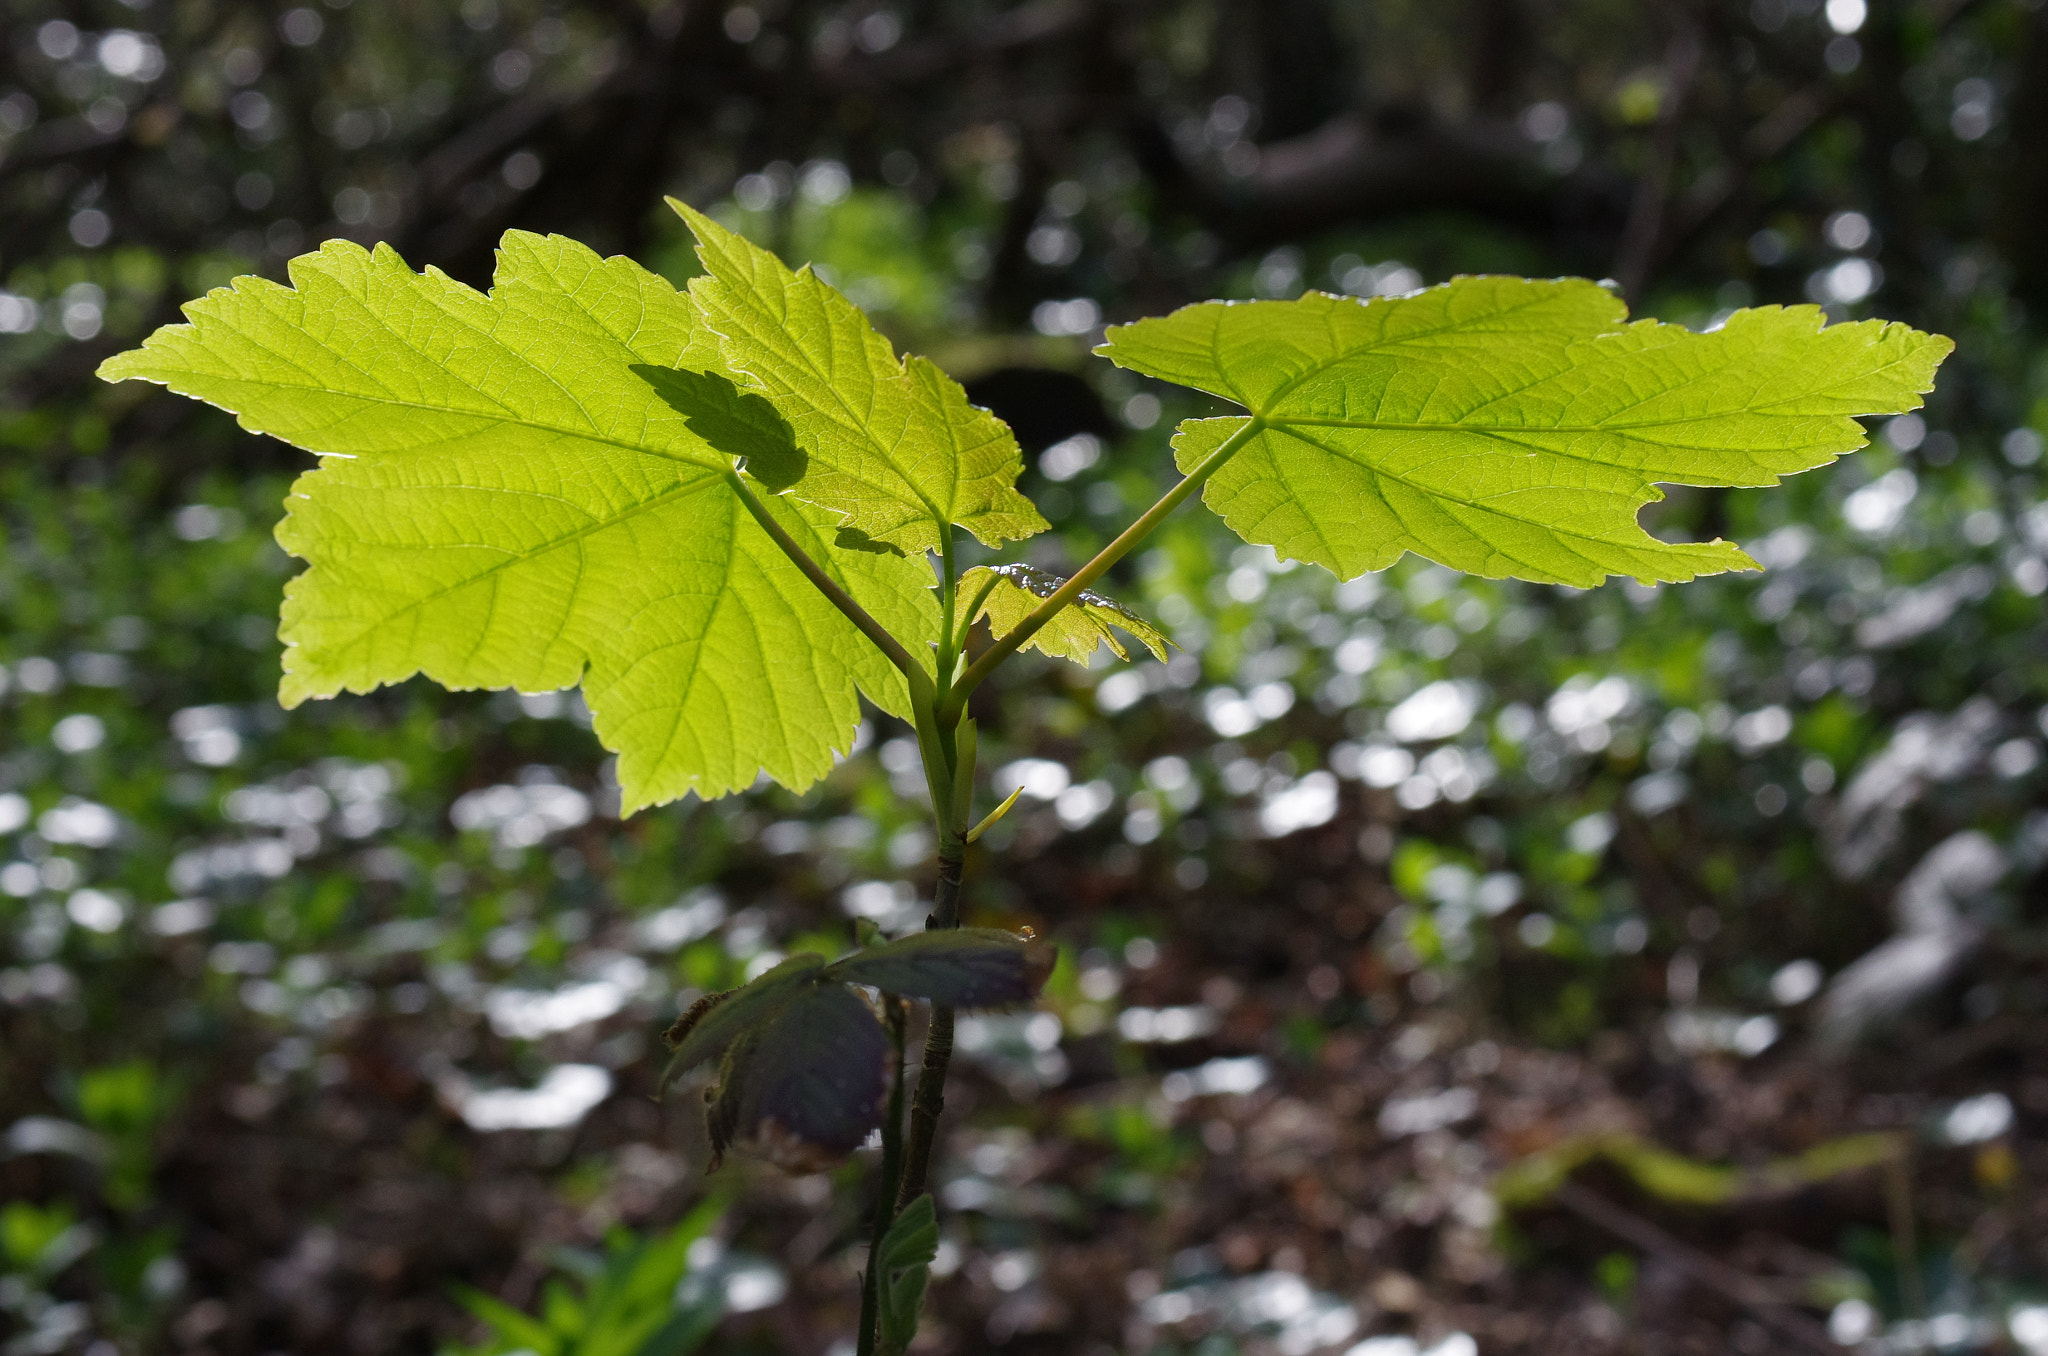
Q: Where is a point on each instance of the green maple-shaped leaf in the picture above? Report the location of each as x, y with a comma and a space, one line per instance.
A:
1510, 427
894, 446
1074, 632
505, 500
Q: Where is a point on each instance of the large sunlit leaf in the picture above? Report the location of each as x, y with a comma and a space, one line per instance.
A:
1510, 427
506, 501
1075, 632
894, 446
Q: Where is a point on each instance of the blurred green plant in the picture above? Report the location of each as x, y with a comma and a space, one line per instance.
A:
41, 1239
125, 1102
902, 1266
632, 1300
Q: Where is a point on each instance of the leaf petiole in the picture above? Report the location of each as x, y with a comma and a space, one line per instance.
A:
956, 694
922, 692
973, 610
949, 600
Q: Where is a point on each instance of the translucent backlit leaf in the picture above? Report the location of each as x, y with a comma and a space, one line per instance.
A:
506, 501
1510, 427
1075, 631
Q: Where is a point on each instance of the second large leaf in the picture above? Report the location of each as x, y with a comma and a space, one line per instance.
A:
1510, 427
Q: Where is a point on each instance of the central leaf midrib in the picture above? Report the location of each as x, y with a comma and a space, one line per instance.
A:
1478, 506
1259, 423
1438, 426
1383, 342
850, 419
494, 416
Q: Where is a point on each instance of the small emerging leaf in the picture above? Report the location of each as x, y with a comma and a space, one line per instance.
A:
717, 1020
959, 967
895, 447
805, 1086
903, 1269
1510, 427
993, 817
1075, 631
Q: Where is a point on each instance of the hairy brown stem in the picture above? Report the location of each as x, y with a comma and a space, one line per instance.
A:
930, 1099
885, 1189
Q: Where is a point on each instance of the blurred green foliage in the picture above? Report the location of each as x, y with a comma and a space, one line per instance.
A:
633, 1299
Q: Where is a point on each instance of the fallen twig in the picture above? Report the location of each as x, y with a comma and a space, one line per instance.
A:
1743, 1289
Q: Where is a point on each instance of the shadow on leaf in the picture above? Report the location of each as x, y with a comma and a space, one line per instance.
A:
733, 421
853, 539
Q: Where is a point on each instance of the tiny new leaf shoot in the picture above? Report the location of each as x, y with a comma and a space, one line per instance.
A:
904, 1262
1010, 593
989, 820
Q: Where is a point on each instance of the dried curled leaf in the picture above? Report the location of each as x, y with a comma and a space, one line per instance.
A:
959, 967
714, 1022
803, 1088
1075, 632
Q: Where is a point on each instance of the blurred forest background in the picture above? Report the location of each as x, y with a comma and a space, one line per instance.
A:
1448, 966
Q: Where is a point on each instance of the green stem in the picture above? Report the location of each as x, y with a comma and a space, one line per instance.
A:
949, 599
981, 594
930, 1099
935, 747
956, 694
885, 1189
921, 690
